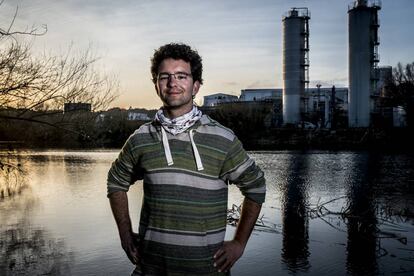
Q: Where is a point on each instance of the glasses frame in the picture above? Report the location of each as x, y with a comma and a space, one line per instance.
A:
174, 75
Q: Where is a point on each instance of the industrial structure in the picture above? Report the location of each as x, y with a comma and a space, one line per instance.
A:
362, 104
363, 59
384, 80
219, 98
295, 62
323, 105
260, 94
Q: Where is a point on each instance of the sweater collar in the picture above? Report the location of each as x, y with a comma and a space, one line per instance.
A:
180, 124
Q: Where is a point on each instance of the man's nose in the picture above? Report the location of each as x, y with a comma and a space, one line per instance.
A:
172, 80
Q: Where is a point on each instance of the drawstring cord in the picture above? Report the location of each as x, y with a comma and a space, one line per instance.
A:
167, 150
195, 151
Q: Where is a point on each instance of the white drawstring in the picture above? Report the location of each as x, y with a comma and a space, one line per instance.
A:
168, 154
196, 154
167, 150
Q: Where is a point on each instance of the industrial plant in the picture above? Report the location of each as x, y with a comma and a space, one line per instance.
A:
357, 105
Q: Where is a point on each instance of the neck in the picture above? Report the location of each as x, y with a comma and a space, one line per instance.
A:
173, 113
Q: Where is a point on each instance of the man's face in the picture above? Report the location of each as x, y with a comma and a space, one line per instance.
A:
176, 91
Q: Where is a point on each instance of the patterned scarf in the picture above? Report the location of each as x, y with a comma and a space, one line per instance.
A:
179, 124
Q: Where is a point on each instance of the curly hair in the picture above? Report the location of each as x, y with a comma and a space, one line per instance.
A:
177, 51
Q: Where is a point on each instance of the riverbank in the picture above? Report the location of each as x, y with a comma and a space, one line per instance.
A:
395, 139
392, 139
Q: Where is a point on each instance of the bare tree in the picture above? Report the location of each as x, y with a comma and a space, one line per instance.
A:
401, 90
30, 82
46, 82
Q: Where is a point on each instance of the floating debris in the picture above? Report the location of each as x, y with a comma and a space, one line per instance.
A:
346, 216
261, 225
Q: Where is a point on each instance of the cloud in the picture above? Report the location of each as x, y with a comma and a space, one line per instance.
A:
261, 84
231, 83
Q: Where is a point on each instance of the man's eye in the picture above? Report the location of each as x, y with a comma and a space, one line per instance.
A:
181, 76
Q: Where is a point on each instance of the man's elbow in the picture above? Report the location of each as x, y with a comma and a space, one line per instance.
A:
252, 204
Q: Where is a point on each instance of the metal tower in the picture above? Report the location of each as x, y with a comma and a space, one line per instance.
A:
295, 62
363, 59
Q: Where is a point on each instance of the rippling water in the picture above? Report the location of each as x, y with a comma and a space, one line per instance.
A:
325, 214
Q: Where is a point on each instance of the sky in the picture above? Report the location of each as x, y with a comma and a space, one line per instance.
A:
240, 41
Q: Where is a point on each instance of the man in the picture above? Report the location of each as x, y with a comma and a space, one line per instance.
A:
186, 160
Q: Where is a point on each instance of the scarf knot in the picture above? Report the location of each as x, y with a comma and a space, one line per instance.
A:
180, 124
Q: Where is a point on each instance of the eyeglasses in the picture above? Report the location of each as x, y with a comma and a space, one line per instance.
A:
178, 76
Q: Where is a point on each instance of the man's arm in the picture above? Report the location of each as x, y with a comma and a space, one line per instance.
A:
238, 168
120, 210
232, 250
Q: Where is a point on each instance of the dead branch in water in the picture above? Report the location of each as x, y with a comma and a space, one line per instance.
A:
233, 217
321, 211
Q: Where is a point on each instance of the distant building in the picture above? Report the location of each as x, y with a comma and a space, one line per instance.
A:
319, 105
249, 95
218, 98
316, 96
72, 107
137, 116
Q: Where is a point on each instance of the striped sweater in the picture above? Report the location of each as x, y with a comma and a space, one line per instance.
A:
183, 217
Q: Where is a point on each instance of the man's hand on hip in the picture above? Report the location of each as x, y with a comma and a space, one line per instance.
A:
227, 255
130, 245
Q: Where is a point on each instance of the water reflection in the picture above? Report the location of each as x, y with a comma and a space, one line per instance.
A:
12, 176
295, 251
361, 217
341, 213
356, 202
24, 247
77, 170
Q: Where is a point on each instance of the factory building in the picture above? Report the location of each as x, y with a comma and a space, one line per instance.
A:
219, 98
315, 96
363, 59
295, 62
317, 104
322, 105
250, 95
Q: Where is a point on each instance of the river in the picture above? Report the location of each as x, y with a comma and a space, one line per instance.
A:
326, 213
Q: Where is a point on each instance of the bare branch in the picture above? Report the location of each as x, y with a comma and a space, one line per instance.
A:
9, 33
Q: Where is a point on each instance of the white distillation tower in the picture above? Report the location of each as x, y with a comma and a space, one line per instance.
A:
363, 59
295, 62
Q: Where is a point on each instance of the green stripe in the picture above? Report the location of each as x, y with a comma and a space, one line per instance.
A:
185, 202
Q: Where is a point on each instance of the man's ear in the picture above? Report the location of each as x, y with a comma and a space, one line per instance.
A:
196, 87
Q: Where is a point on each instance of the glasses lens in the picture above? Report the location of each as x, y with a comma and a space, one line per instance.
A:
163, 77
181, 76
